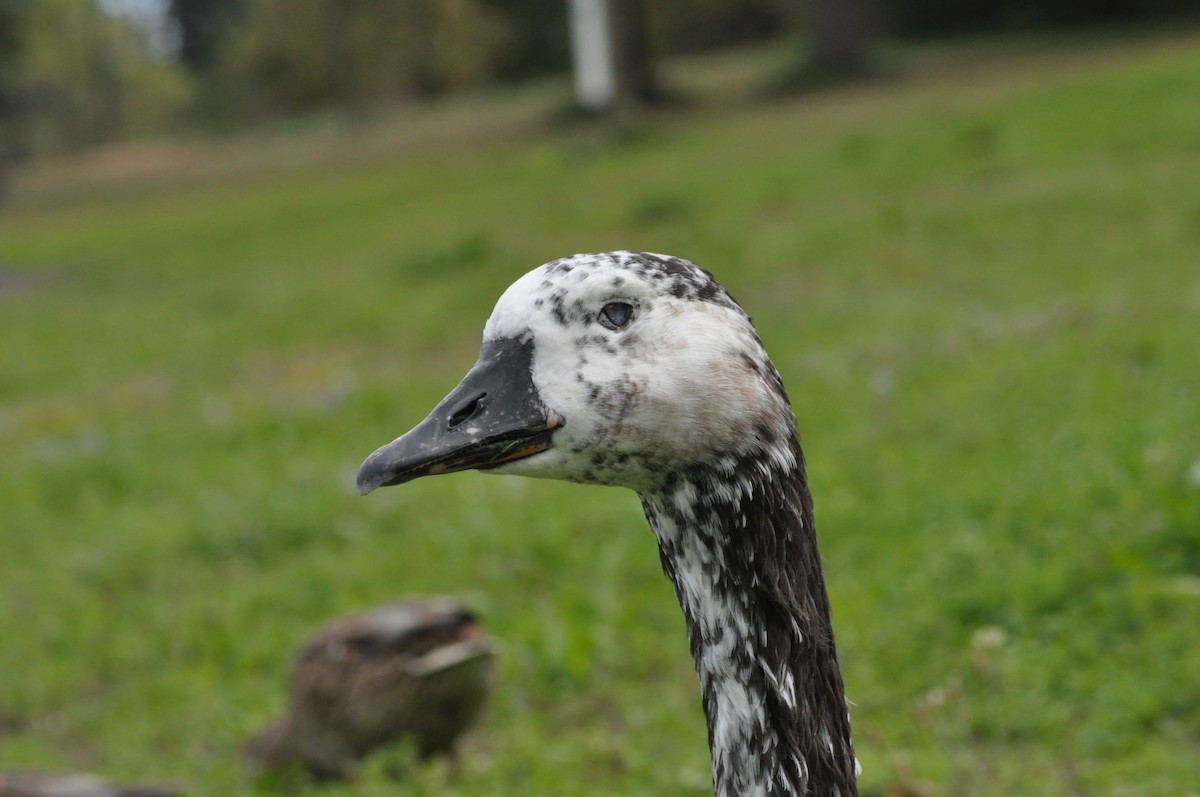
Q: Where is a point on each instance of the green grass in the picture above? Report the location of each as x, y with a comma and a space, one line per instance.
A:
980, 281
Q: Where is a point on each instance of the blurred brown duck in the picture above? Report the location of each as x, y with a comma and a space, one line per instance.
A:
420, 668
49, 784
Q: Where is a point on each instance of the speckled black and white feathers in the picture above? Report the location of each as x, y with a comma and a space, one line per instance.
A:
685, 382
673, 276
738, 544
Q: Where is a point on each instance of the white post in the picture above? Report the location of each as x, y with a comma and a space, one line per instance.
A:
591, 53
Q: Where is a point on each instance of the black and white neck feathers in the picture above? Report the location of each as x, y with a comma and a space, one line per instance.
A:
738, 543
640, 370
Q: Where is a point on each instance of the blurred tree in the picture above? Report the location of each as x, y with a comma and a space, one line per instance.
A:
12, 23
535, 40
13, 14
286, 56
292, 55
680, 26
839, 38
939, 17
74, 94
592, 56
637, 79
202, 24
613, 67
72, 75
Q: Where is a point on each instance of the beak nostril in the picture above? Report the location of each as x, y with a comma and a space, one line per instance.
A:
466, 412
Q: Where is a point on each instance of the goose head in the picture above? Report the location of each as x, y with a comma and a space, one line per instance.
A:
619, 368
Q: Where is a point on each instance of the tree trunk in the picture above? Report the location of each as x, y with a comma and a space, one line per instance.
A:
637, 82
613, 67
840, 36
202, 23
592, 56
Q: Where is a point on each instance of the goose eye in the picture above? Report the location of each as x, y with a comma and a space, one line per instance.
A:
616, 315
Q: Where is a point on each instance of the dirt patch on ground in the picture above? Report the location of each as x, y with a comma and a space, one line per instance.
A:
316, 144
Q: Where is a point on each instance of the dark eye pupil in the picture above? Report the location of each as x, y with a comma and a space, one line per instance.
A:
617, 313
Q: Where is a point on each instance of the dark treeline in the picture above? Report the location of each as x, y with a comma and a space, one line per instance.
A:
264, 57
73, 74
909, 18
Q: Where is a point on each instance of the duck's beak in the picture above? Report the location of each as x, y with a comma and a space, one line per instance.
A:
494, 416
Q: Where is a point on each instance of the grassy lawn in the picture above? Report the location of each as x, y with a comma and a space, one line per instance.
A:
980, 280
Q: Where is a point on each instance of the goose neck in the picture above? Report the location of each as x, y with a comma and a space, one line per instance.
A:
737, 542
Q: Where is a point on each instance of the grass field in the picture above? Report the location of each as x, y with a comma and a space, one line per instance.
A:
980, 280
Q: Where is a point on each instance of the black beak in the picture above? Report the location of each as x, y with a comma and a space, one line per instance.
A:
494, 416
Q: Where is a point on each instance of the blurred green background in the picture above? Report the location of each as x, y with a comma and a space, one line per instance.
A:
976, 267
